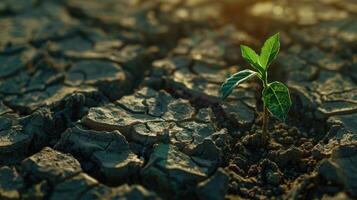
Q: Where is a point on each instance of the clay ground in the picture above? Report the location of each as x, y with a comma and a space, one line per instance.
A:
118, 99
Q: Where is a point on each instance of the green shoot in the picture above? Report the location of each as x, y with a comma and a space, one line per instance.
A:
276, 97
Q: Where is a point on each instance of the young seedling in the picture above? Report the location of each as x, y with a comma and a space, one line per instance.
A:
276, 97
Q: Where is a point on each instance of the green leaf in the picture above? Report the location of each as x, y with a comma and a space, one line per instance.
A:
269, 50
237, 78
251, 57
276, 98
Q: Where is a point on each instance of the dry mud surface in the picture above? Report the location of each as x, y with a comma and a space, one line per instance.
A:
117, 99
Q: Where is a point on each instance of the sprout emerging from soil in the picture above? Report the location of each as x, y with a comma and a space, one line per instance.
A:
275, 95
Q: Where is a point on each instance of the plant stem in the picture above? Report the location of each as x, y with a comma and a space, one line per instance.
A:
265, 112
265, 123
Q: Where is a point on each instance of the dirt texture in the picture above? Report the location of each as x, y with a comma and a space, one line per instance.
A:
118, 99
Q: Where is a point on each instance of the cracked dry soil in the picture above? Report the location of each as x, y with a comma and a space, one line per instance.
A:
117, 99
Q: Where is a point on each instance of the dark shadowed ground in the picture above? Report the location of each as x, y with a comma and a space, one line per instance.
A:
118, 99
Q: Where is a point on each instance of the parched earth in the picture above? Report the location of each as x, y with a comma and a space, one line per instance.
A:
118, 99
